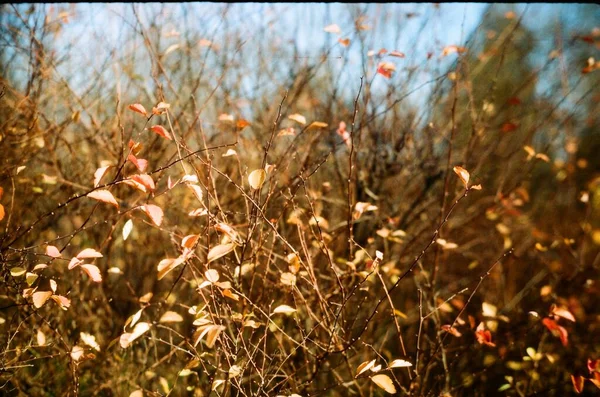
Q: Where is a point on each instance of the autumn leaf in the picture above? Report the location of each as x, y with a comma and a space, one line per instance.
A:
170, 317
105, 196
219, 251
99, 174
161, 107
344, 42
385, 383
136, 107
257, 178
333, 28
578, 383
386, 69
399, 364
285, 309
154, 212
140, 164
53, 251
396, 54
162, 131
484, 336
557, 329
89, 253
166, 265
40, 297
364, 367
93, 272
127, 228
298, 118
127, 338
462, 174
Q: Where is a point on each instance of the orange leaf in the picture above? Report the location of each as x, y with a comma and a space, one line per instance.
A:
386, 69
241, 123
154, 212
53, 251
578, 383
451, 330
105, 196
344, 42
162, 131
40, 297
93, 272
484, 336
136, 107
143, 179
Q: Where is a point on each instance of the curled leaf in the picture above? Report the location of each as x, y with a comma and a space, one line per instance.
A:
138, 108
257, 178
93, 272
462, 174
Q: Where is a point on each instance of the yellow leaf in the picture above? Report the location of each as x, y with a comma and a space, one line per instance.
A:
462, 174
257, 178
171, 317
297, 118
385, 383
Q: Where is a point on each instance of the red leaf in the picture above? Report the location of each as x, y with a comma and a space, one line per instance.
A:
593, 365
136, 107
154, 212
508, 127
514, 101
141, 164
105, 196
386, 69
53, 251
484, 336
142, 182
557, 329
162, 131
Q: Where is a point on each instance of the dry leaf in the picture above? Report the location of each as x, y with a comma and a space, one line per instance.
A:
162, 131
219, 251
154, 212
385, 383
284, 309
105, 196
462, 174
136, 107
297, 118
170, 317
257, 178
